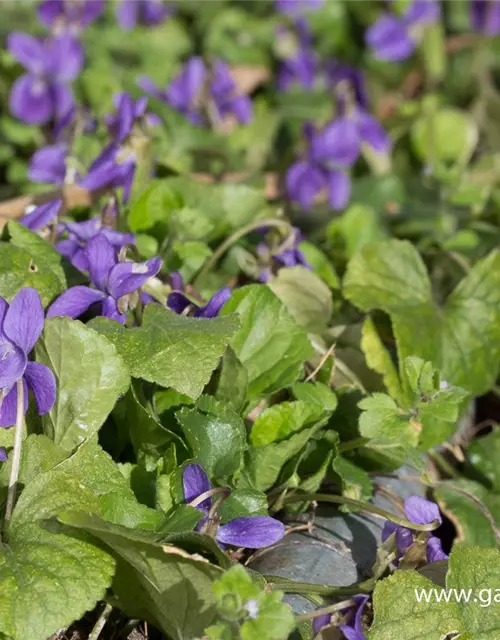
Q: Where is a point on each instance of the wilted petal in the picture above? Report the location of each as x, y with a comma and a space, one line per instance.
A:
30, 100
339, 143
195, 482
23, 322
421, 511
126, 277
102, 258
74, 302
27, 50
42, 382
217, 301
373, 133
127, 13
389, 39
303, 183
253, 532
339, 189
48, 164
435, 550
41, 215
8, 408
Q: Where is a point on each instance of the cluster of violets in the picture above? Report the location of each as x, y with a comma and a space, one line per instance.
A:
418, 510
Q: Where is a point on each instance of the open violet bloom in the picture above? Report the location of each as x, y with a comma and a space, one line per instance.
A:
289, 257
420, 511
178, 301
485, 16
80, 233
300, 66
48, 164
394, 38
149, 13
114, 282
354, 629
69, 15
21, 324
42, 94
251, 532
196, 84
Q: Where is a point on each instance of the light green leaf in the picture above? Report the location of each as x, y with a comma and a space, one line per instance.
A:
320, 264
356, 482
306, 296
232, 381
315, 393
382, 418
270, 344
90, 376
172, 350
155, 204
461, 338
280, 421
447, 135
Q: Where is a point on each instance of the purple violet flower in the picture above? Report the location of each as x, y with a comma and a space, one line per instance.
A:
297, 7
186, 92
353, 630
178, 302
80, 233
252, 532
130, 13
114, 281
38, 217
21, 324
419, 511
485, 16
69, 15
394, 38
302, 65
291, 257
48, 164
42, 94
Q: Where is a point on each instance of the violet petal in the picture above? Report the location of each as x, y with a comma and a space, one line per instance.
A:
74, 301
126, 277
42, 382
253, 532
8, 408
23, 322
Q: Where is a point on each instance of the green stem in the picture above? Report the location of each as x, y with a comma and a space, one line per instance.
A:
338, 606
237, 235
352, 444
101, 621
363, 506
304, 588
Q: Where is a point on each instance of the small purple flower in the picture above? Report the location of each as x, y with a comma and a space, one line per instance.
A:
80, 233
114, 281
130, 13
485, 16
21, 324
395, 38
178, 302
297, 7
196, 84
69, 15
42, 94
301, 65
353, 630
290, 257
48, 164
252, 532
419, 511
38, 217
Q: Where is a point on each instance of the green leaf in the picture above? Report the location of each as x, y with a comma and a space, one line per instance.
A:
315, 393
270, 344
447, 135
382, 418
172, 350
232, 381
356, 482
358, 226
399, 615
320, 264
155, 204
216, 436
243, 502
280, 421
379, 359
156, 582
461, 338
38, 454
90, 377
460, 500
48, 580
484, 454
306, 296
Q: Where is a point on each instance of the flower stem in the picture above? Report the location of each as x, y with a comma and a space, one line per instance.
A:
101, 621
240, 233
338, 606
16, 457
208, 494
363, 506
305, 588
